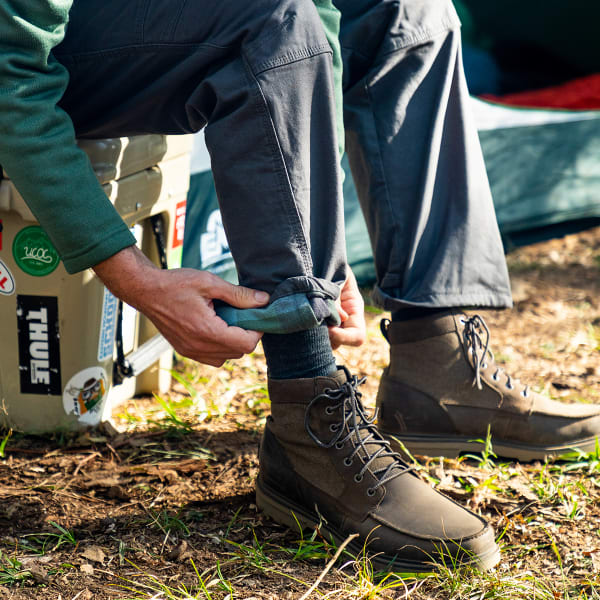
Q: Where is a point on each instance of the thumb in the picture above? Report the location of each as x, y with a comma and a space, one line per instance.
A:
238, 295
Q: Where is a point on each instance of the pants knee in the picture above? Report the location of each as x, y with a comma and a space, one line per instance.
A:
381, 26
291, 31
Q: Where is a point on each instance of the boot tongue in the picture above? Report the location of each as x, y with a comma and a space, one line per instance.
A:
331, 382
371, 439
476, 341
302, 391
337, 403
371, 446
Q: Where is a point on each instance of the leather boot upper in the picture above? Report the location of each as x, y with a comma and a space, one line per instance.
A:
322, 452
443, 379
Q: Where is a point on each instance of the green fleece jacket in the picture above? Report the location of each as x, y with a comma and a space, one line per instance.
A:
37, 139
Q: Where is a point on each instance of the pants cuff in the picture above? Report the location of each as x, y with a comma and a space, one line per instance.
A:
297, 312
483, 298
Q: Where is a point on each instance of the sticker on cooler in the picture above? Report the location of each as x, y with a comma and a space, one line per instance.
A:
39, 345
85, 395
34, 253
7, 281
179, 229
108, 325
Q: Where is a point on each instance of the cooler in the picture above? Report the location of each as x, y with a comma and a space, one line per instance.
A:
60, 368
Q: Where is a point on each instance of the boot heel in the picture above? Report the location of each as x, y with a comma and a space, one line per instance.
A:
282, 514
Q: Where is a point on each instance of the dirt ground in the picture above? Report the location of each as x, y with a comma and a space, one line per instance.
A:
163, 506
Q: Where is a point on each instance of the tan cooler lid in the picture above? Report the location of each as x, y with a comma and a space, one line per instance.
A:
115, 158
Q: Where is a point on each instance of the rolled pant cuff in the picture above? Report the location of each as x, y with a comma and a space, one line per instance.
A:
297, 304
483, 298
286, 315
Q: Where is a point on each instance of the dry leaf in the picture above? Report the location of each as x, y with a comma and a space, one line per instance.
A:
94, 553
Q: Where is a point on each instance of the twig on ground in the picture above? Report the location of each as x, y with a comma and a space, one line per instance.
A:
327, 568
85, 460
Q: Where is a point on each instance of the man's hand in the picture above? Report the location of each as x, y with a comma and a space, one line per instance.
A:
180, 304
353, 330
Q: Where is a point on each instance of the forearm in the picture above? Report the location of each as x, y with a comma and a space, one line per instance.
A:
37, 143
180, 304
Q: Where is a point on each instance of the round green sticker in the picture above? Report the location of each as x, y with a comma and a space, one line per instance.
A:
34, 252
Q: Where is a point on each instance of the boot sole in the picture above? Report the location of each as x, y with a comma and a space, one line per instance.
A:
453, 447
287, 513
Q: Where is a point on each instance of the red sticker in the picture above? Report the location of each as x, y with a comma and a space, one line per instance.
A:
179, 224
7, 281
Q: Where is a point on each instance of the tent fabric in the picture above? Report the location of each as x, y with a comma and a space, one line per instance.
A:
543, 167
582, 93
565, 33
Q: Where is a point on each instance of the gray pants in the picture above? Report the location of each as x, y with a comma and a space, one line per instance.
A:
258, 76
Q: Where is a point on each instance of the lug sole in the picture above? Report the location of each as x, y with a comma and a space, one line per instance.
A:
299, 519
454, 446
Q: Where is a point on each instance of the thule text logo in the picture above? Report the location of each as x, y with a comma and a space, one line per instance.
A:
39, 347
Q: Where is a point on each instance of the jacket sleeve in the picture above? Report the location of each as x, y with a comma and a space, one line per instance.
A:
37, 139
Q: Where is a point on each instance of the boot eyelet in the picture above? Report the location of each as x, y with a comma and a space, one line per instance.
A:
509, 386
525, 394
333, 427
495, 377
348, 462
484, 366
370, 492
339, 445
329, 410
358, 478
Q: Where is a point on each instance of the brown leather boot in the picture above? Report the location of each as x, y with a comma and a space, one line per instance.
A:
323, 463
442, 389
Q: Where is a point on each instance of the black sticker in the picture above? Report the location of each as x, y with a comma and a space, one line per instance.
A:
39, 345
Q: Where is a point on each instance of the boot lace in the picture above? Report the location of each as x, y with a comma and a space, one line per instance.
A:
356, 427
479, 349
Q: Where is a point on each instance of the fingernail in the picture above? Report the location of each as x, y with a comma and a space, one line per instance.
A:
261, 296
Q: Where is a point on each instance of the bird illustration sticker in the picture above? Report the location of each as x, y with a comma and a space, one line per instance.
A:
85, 395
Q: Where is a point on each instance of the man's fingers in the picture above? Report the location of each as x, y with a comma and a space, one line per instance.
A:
343, 314
237, 295
351, 336
238, 339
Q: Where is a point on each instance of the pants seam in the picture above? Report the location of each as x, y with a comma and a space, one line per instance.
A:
458, 298
142, 21
396, 225
292, 57
294, 220
424, 35
177, 19
137, 48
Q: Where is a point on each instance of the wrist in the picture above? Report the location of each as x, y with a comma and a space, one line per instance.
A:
130, 276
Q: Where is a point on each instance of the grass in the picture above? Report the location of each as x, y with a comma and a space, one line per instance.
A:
537, 564
44, 542
546, 514
167, 522
148, 585
486, 457
4, 442
12, 572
